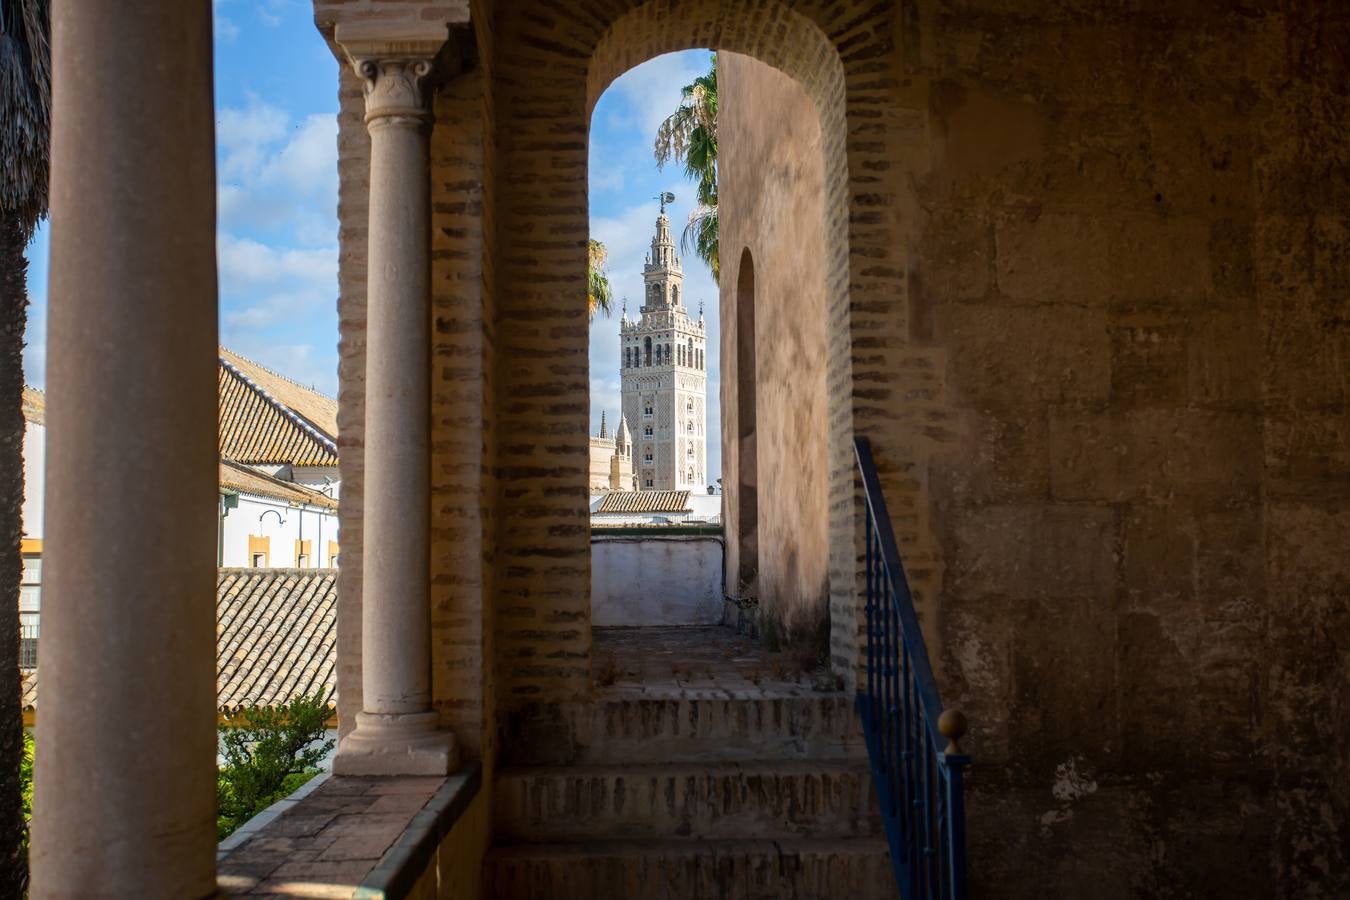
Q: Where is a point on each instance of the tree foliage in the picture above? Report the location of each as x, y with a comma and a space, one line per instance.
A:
689, 135
268, 752
599, 294
25, 110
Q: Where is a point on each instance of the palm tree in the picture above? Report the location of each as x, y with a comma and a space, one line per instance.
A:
690, 134
25, 107
599, 295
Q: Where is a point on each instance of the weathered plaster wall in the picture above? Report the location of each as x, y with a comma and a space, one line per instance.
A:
771, 193
1129, 254
641, 581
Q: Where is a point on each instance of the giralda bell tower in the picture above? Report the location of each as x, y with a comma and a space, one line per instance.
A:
664, 375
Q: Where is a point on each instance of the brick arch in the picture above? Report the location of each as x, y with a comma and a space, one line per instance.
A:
552, 69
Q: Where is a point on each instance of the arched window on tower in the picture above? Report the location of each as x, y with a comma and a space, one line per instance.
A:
690, 351
647, 342
674, 294
667, 353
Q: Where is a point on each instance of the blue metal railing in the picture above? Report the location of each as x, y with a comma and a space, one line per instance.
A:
916, 764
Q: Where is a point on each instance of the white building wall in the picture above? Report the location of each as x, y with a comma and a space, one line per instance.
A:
638, 581
283, 525
34, 477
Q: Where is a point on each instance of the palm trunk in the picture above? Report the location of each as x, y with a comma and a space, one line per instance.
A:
13, 314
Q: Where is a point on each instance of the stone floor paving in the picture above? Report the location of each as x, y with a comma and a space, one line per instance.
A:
693, 662
326, 844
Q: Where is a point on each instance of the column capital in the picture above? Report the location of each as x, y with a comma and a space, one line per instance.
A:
393, 60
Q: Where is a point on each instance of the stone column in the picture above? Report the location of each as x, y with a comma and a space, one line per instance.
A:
397, 731
126, 738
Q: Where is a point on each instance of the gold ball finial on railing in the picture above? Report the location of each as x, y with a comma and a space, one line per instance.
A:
952, 725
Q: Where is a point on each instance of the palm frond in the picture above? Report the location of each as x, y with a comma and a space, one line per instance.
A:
25, 110
700, 237
599, 293
689, 135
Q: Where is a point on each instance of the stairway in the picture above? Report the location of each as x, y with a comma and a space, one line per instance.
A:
745, 795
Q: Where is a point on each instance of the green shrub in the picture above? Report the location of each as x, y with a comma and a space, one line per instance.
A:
268, 753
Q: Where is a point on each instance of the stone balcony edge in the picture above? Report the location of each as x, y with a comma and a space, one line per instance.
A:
404, 863
250, 829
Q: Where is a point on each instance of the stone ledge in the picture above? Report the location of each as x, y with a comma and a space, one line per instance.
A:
368, 837
400, 868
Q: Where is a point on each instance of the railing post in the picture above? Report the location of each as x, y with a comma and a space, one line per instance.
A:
956, 826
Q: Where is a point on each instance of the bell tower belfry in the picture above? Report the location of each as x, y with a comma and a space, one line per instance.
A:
664, 374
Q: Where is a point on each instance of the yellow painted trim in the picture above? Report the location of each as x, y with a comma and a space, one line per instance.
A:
304, 548
258, 545
30, 545
332, 552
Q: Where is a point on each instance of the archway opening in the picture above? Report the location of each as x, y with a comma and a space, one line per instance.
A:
779, 597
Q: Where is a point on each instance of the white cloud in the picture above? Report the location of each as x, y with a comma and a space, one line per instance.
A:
243, 136
276, 174
225, 29
311, 365
287, 306
652, 90
243, 261
269, 12
308, 162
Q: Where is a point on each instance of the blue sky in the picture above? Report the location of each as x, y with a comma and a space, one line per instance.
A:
276, 158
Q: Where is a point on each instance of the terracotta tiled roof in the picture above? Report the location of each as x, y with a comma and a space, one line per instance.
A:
276, 637
319, 410
644, 502
250, 481
34, 405
260, 427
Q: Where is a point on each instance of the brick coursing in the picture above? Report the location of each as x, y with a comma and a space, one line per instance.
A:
1084, 295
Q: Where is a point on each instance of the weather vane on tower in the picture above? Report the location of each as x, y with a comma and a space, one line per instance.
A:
665, 197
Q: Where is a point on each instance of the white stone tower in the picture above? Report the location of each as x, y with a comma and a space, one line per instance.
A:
664, 373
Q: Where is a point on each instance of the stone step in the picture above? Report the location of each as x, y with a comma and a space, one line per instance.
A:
787, 799
857, 869
692, 728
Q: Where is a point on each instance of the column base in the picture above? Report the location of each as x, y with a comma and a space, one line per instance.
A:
397, 744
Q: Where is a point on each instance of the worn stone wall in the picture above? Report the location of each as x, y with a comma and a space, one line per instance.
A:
1129, 243
771, 196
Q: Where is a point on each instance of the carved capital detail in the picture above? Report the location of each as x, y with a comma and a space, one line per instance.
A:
393, 87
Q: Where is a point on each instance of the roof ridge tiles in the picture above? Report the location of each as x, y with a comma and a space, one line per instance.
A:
271, 371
